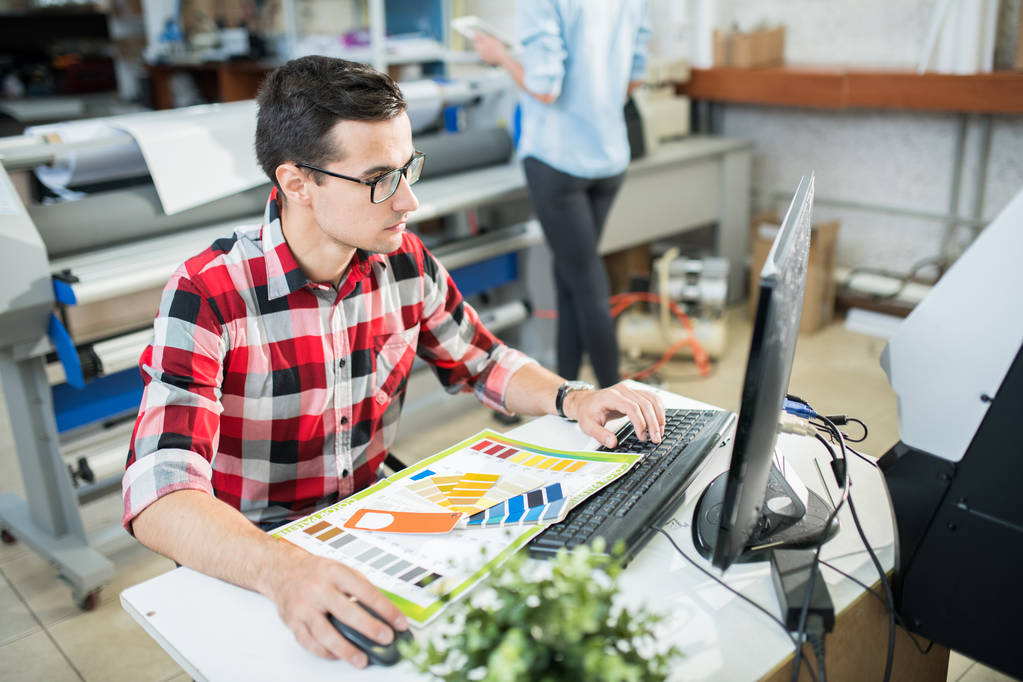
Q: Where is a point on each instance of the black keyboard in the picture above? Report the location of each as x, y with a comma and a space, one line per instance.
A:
644, 497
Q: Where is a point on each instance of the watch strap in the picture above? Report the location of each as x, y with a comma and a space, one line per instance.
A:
564, 390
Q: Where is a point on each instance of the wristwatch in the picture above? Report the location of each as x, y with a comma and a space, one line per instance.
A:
564, 390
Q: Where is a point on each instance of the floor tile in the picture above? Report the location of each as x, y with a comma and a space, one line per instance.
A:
178, 677
88, 638
15, 550
957, 665
41, 588
982, 673
34, 658
50, 598
16, 620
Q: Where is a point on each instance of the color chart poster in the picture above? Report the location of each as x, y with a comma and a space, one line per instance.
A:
488, 471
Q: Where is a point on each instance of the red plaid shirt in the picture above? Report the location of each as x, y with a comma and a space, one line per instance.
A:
280, 395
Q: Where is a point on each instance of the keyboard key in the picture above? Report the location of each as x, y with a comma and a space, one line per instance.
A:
635, 493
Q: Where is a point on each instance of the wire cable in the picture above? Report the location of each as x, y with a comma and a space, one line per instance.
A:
734, 591
898, 619
815, 628
620, 302
838, 420
801, 632
877, 565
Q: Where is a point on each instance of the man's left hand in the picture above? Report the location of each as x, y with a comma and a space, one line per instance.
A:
594, 408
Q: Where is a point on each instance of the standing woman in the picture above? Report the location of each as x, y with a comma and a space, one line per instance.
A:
580, 61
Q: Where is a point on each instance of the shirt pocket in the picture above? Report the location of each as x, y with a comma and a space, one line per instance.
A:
394, 353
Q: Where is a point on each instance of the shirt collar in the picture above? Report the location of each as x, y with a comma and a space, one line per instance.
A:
283, 274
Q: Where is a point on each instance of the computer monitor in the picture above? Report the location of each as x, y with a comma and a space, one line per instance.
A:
759, 504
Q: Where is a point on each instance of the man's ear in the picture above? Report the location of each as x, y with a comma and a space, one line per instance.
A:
294, 183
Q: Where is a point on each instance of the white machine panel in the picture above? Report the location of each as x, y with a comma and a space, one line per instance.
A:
959, 342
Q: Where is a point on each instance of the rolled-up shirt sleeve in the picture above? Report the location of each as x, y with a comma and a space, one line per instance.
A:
641, 52
464, 354
543, 43
178, 426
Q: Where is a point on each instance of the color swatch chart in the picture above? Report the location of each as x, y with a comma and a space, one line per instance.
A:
509, 482
529, 458
471, 492
537, 506
371, 555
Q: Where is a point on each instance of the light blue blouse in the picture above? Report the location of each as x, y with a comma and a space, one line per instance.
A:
585, 52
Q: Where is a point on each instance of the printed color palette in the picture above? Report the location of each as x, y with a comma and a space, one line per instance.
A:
363, 552
472, 492
545, 505
422, 573
527, 458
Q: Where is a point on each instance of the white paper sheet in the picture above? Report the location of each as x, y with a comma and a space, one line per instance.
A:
198, 154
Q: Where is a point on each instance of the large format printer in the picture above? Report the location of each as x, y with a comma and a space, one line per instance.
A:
82, 275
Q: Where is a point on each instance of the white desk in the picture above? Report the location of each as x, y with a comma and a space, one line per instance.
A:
217, 631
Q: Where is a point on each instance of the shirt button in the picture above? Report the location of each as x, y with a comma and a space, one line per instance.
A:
381, 398
345, 472
344, 420
341, 362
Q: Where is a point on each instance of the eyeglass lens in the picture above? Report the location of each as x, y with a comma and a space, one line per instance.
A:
387, 185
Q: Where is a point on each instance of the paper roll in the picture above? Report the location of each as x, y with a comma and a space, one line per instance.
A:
425, 102
446, 154
119, 161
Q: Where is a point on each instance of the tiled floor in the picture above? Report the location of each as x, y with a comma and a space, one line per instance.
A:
43, 636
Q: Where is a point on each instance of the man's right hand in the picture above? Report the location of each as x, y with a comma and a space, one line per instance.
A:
199, 531
305, 587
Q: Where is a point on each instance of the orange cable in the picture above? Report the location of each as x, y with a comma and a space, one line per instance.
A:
619, 302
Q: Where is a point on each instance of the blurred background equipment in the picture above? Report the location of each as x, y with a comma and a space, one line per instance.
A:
682, 313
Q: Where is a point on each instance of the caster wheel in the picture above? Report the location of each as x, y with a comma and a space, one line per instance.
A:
89, 601
7, 538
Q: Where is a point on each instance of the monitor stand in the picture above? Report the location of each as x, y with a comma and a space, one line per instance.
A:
785, 520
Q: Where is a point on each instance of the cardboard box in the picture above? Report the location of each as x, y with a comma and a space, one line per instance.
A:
626, 265
819, 298
764, 47
1019, 42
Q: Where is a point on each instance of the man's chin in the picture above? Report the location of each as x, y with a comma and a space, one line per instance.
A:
389, 243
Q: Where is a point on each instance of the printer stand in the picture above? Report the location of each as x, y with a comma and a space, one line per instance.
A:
49, 521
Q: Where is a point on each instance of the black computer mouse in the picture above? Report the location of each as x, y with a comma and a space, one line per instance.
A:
378, 654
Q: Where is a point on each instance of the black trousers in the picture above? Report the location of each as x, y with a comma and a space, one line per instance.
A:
572, 212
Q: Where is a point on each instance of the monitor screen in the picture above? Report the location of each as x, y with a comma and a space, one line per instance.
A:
736, 508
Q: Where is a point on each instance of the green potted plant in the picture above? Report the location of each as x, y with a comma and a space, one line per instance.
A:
562, 624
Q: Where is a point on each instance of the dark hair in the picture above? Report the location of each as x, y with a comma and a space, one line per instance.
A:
301, 101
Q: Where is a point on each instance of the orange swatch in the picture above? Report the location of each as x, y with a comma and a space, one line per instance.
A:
402, 522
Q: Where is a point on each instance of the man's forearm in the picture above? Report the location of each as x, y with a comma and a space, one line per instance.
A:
532, 390
199, 531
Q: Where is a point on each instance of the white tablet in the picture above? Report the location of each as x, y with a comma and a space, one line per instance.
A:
469, 25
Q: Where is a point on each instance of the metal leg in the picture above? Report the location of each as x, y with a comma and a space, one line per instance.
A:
49, 521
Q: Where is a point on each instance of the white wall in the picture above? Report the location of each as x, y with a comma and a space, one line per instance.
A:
894, 158
887, 157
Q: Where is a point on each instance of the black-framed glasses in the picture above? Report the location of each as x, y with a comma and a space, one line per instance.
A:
384, 186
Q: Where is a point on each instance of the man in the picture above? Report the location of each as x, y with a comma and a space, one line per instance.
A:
280, 356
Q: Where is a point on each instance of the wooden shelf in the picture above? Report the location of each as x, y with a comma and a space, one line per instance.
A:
217, 81
1000, 92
